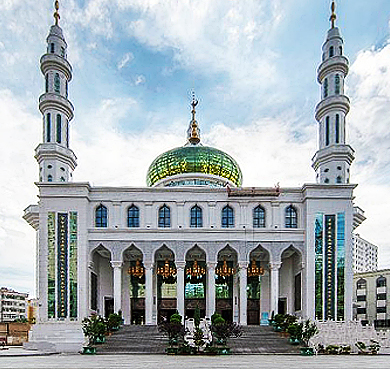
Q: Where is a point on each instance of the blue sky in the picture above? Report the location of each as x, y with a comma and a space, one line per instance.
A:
252, 64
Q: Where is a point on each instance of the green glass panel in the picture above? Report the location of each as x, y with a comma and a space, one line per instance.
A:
319, 266
340, 265
194, 159
73, 264
51, 279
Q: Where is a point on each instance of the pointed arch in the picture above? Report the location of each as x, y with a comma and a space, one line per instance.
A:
101, 216
164, 216
259, 217
291, 217
133, 216
196, 217
227, 217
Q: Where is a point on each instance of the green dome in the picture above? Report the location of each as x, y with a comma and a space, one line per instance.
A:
194, 159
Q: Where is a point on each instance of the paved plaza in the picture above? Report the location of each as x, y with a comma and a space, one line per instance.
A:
198, 362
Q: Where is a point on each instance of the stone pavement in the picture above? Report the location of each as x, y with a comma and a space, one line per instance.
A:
199, 362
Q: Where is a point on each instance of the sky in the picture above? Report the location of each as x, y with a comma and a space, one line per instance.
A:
252, 65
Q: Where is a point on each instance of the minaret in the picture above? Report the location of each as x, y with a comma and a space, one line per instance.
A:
333, 159
56, 160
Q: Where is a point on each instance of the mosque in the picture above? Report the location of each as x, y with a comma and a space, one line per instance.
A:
193, 236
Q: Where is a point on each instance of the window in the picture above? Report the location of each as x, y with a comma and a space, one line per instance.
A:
47, 83
361, 298
58, 128
50, 178
361, 311
101, 216
381, 296
341, 50
339, 180
48, 127
331, 51
381, 309
133, 216
57, 83
327, 131
52, 49
361, 284
291, 217
227, 218
258, 217
62, 179
164, 217
63, 52
337, 84
381, 282
326, 86
66, 89
196, 217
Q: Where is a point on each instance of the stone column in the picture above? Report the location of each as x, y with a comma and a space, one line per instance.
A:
210, 296
180, 265
274, 271
117, 267
243, 295
148, 293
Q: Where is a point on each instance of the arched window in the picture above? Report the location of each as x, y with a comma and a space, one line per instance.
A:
48, 127
57, 83
47, 82
133, 216
361, 284
62, 179
67, 134
327, 131
341, 50
258, 217
381, 282
101, 216
338, 179
326, 86
227, 218
66, 89
164, 217
52, 48
337, 84
291, 219
58, 138
50, 178
337, 128
326, 180
331, 51
196, 217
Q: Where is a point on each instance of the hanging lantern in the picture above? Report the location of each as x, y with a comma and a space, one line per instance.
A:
224, 270
254, 270
166, 271
138, 270
195, 271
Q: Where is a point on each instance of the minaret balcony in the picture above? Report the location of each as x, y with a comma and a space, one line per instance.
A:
333, 153
331, 104
55, 62
56, 102
55, 151
338, 64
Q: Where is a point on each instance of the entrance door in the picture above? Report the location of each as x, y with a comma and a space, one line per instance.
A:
282, 306
108, 306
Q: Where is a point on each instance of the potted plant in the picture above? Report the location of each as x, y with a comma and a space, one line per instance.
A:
175, 331
309, 329
223, 330
94, 328
114, 322
295, 332
278, 322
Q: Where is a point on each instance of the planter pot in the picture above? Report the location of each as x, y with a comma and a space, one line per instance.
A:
277, 328
307, 351
113, 329
171, 350
224, 351
294, 341
100, 340
89, 350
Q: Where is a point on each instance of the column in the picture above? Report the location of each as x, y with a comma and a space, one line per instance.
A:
236, 297
210, 296
243, 295
274, 269
117, 266
148, 293
180, 265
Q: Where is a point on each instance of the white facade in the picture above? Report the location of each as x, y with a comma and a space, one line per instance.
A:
12, 305
365, 255
89, 237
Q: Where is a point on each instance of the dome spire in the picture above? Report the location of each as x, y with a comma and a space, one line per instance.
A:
193, 130
333, 16
56, 15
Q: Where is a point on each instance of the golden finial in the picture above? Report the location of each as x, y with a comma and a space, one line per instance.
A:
193, 132
56, 14
333, 15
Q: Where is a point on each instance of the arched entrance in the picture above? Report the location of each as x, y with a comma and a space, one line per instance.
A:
225, 276
133, 265
195, 282
101, 282
166, 288
257, 283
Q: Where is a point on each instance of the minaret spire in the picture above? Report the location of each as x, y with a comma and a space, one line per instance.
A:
333, 16
193, 130
56, 15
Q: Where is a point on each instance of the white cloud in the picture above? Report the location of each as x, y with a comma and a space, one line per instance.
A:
126, 59
140, 80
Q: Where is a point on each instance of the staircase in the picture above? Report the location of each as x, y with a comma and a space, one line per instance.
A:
134, 339
145, 339
261, 340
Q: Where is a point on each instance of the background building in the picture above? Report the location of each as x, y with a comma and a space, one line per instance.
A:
371, 295
12, 305
365, 255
